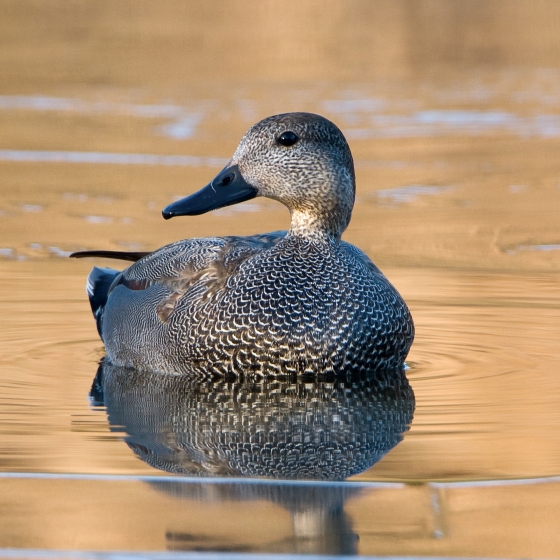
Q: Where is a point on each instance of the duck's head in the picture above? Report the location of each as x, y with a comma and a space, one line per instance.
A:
300, 159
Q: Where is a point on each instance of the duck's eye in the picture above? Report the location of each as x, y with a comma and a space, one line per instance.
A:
288, 138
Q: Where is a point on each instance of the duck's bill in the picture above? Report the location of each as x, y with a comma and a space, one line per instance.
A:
229, 187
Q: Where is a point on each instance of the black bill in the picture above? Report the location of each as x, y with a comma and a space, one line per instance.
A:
229, 187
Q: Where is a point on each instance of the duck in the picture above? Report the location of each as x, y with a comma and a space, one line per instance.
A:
295, 302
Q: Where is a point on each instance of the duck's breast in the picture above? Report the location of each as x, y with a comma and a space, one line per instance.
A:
297, 306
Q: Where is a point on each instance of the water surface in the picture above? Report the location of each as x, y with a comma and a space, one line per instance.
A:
452, 111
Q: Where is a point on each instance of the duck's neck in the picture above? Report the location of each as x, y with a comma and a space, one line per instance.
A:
310, 225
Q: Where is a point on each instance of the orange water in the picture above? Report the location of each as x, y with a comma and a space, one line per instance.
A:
452, 111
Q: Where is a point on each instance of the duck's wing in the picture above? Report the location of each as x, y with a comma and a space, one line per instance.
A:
121, 255
207, 262
186, 260
201, 265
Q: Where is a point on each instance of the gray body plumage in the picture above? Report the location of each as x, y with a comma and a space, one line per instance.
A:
296, 302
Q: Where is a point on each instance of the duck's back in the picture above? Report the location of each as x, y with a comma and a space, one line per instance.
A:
266, 304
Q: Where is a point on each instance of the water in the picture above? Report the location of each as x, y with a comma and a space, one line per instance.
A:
452, 114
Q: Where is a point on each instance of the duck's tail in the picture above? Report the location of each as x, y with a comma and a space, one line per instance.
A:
122, 255
98, 283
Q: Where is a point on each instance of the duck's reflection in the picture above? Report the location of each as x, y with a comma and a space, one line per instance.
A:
319, 523
320, 430
300, 429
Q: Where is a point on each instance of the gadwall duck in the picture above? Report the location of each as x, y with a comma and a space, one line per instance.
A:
295, 302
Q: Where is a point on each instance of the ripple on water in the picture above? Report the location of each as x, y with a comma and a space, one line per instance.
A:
435, 122
543, 247
183, 123
409, 193
34, 251
32, 207
58, 252
59, 156
484, 365
98, 219
6, 252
